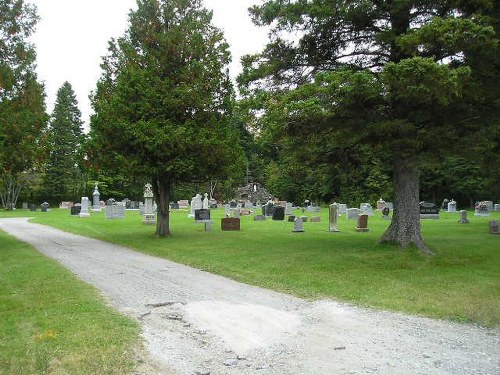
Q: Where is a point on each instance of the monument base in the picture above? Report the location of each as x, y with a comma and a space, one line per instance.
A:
362, 229
84, 214
149, 219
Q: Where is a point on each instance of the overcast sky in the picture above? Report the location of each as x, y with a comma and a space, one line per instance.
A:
73, 35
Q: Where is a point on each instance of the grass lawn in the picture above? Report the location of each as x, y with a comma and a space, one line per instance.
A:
461, 282
52, 323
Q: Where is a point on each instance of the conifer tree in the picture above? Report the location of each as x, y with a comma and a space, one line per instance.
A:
65, 138
163, 103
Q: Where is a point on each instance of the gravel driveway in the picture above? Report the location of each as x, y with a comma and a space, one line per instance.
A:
194, 322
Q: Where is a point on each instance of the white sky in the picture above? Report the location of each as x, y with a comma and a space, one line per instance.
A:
72, 36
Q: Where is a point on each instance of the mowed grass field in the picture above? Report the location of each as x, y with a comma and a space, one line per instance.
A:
461, 282
53, 323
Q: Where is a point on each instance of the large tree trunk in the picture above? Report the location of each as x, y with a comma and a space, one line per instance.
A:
161, 190
405, 226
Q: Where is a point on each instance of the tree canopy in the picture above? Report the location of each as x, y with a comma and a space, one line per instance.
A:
394, 75
22, 108
163, 103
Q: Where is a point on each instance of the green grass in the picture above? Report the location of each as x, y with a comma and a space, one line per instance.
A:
461, 282
52, 323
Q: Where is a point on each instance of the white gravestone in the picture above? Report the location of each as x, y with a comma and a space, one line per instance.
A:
196, 204
96, 205
149, 214
298, 225
84, 212
452, 206
205, 204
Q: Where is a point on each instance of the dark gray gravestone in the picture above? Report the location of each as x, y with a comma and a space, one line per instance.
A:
44, 207
279, 213
174, 205
429, 211
269, 209
202, 214
230, 224
32, 207
75, 210
259, 218
291, 218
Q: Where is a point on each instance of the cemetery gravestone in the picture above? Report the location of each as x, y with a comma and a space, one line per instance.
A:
288, 208
333, 218
196, 204
202, 214
65, 205
230, 224
428, 211
298, 225
352, 213
482, 209
25, 206
489, 204
149, 216
494, 227
452, 206
362, 223
291, 218
497, 207
385, 213
84, 212
183, 203
259, 218
44, 207
315, 219
463, 217
116, 211
205, 204
96, 205
33, 207
366, 208
268, 209
174, 205
279, 213
380, 204
75, 210
342, 208
304, 218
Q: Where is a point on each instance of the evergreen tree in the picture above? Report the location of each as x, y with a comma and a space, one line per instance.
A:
163, 103
65, 138
22, 108
396, 75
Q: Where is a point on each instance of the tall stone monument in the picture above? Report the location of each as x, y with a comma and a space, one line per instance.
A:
334, 215
149, 214
96, 204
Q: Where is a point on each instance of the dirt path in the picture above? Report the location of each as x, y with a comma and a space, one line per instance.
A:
197, 323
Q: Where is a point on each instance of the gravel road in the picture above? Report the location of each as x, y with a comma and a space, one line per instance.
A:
194, 322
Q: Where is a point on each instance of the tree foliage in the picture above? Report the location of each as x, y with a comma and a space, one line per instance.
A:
163, 102
63, 170
397, 76
22, 116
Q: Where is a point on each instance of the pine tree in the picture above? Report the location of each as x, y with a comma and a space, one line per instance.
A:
65, 138
396, 75
163, 103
